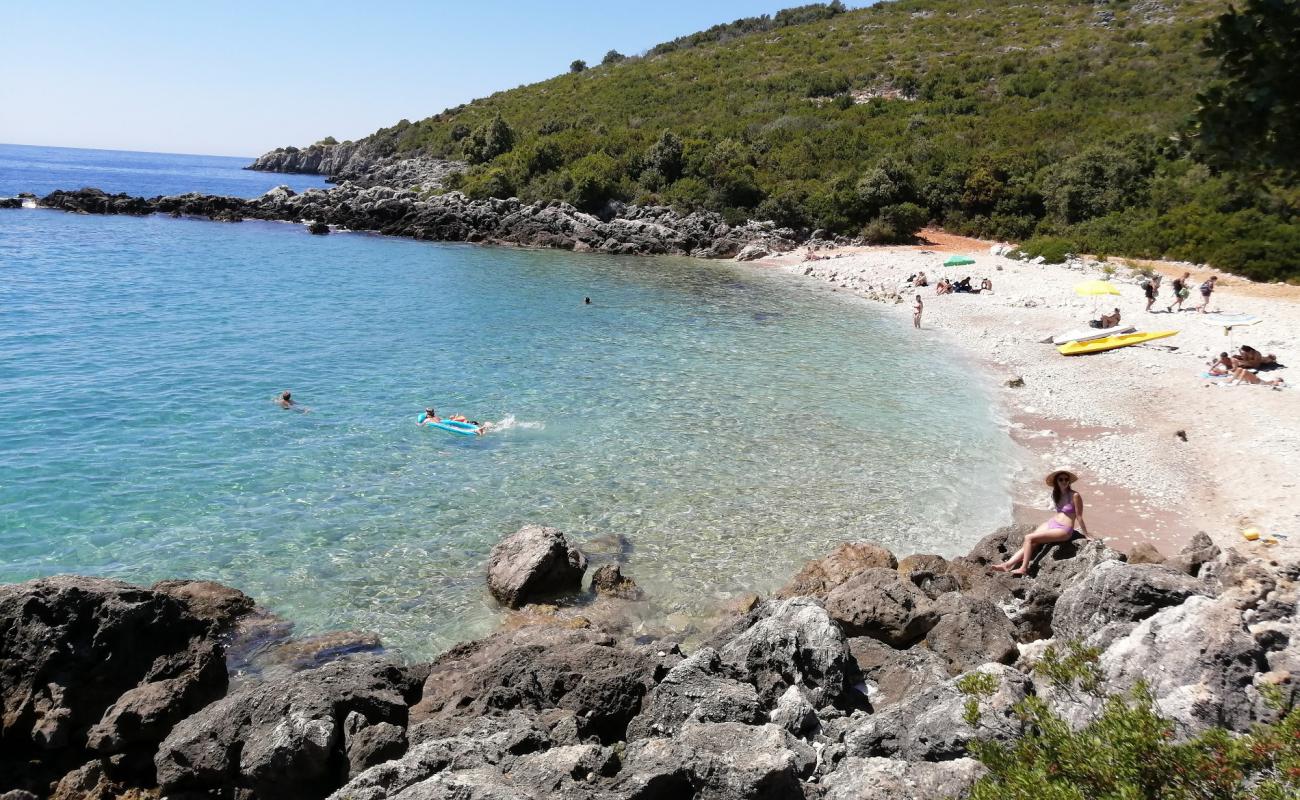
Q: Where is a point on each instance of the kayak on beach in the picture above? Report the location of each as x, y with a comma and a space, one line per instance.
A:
1111, 342
1088, 334
451, 426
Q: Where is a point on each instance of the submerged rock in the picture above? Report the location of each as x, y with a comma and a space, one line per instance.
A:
610, 581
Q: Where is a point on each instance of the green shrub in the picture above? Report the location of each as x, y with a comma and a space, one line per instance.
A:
489, 140
490, 182
1127, 750
612, 57
897, 224
578, 65
1052, 249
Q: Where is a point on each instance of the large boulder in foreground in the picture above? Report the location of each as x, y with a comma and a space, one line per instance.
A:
717, 761
296, 737
1117, 594
1199, 660
600, 681
532, 563
892, 779
931, 726
970, 632
818, 578
884, 605
98, 666
695, 691
788, 642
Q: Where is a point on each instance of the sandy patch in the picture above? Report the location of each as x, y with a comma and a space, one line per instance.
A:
1114, 416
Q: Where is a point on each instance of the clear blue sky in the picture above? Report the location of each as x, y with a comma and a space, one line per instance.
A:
239, 77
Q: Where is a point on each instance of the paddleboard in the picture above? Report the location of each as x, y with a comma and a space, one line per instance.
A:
1111, 342
1088, 334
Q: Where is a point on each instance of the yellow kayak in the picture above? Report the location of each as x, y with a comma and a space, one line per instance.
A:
1111, 342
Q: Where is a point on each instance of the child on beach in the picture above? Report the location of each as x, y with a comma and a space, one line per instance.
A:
1207, 289
1222, 365
917, 308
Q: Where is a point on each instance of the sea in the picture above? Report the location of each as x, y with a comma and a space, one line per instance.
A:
712, 425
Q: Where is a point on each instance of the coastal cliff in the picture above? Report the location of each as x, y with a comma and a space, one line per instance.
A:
867, 676
364, 163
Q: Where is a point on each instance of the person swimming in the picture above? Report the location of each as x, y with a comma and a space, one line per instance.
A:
286, 401
430, 415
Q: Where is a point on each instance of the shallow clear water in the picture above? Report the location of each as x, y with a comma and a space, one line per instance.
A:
41, 170
730, 422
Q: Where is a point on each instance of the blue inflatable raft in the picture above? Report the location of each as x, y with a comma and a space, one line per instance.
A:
450, 426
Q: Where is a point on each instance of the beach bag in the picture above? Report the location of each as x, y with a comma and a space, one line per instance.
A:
1184, 292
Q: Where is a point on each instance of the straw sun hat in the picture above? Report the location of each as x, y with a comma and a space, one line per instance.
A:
1051, 476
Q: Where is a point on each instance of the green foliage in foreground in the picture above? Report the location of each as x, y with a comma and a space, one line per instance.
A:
1127, 751
1001, 119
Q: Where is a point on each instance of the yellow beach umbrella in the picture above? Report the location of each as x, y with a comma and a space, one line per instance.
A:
1095, 288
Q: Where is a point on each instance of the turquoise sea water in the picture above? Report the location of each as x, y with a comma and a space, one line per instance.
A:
730, 422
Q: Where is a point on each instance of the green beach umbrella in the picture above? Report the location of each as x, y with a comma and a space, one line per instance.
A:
958, 261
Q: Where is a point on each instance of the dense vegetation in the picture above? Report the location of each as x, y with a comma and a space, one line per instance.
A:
1074, 121
1126, 750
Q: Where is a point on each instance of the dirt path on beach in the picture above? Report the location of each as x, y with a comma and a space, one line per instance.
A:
1115, 417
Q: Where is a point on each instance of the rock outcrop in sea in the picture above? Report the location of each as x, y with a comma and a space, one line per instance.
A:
453, 217
847, 683
363, 163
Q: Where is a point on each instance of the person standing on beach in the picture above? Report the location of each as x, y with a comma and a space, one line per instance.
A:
1151, 288
1207, 289
1180, 292
917, 308
1060, 528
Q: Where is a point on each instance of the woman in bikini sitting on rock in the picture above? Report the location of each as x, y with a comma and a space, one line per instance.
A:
1060, 528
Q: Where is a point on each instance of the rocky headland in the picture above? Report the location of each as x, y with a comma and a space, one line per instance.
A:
453, 217
363, 163
850, 682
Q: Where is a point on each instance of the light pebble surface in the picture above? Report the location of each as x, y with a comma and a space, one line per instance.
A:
1113, 416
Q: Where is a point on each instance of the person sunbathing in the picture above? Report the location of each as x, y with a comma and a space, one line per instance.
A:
943, 286
1222, 365
1107, 320
986, 285
1250, 358
1242, 376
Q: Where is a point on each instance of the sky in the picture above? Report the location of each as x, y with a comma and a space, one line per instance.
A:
240, 78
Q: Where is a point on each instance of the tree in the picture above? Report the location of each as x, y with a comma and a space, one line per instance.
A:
665, 157
1251, 112
488, 141
612, 57
578, 65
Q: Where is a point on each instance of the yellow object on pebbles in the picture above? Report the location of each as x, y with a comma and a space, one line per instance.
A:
1250, 534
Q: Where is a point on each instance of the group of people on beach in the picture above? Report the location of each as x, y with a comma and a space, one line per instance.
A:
1182, 289
1243, 366
945, 286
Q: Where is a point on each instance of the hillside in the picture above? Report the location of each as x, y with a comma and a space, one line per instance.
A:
1061, 124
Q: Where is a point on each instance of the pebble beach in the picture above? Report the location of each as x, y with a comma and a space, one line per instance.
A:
1118, 418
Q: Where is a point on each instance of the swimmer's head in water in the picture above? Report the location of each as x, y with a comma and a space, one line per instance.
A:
284, 396
431, 412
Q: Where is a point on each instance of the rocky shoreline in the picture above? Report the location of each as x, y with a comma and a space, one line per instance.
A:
850, 682
453, 217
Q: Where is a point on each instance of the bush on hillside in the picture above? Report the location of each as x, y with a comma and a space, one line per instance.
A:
577, 65
612, 57
896, 224
489, 140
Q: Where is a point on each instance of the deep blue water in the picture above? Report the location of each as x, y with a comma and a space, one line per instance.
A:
731, 422
41, 170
